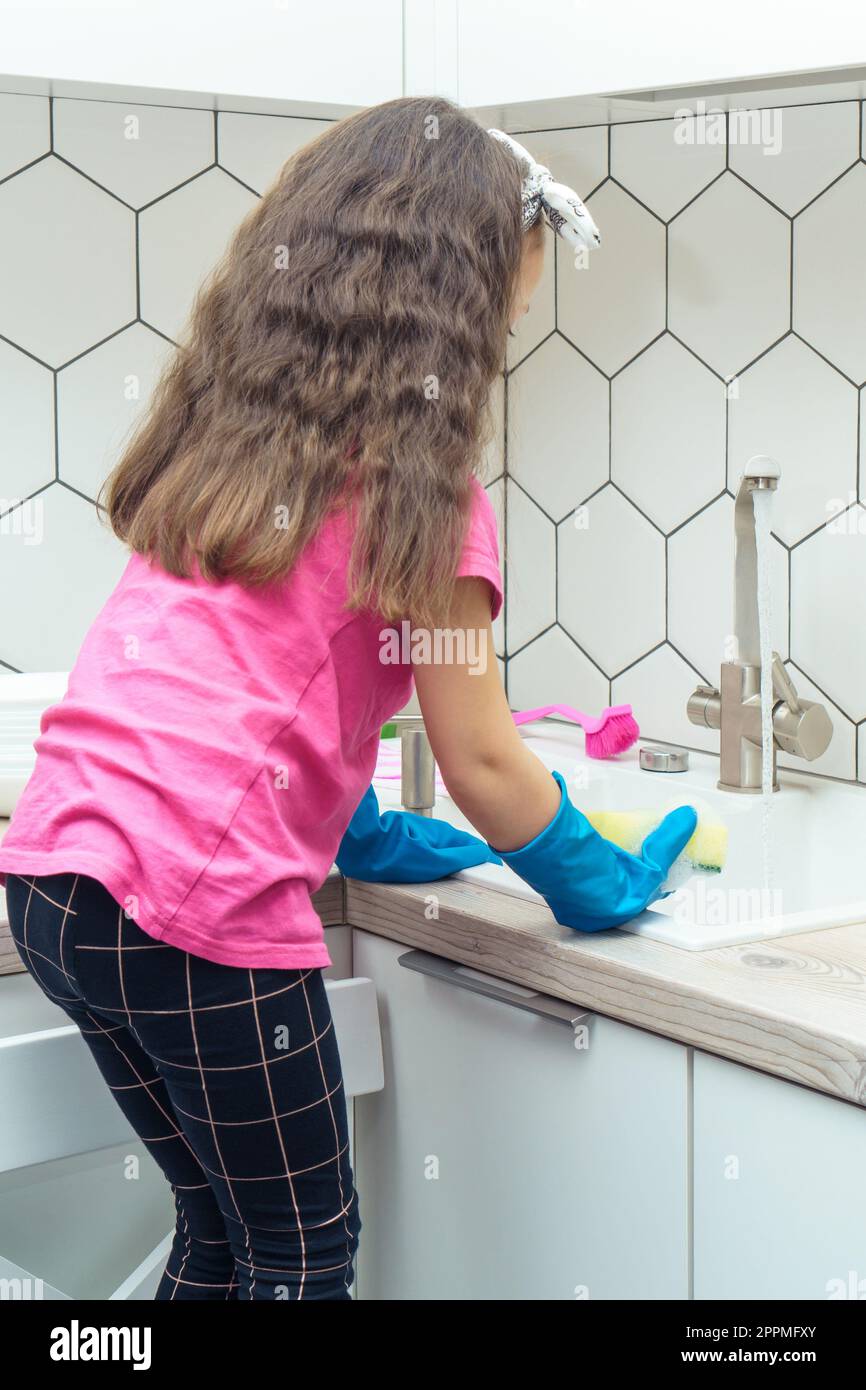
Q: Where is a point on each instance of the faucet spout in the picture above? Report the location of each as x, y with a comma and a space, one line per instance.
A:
760, 473
800, 727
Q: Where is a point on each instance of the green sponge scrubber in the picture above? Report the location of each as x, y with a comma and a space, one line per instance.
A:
707, 849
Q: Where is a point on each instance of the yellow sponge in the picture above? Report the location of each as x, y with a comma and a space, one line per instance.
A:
707, 849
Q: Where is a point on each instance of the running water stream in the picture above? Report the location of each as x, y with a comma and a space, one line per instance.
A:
762, 501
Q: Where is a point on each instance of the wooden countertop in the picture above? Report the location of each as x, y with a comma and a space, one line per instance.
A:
793, 1006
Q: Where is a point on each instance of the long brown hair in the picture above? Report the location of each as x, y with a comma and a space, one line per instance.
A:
346, 344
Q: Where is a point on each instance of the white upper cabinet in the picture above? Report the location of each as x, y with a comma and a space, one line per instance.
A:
514, 51
484, 53
305, 51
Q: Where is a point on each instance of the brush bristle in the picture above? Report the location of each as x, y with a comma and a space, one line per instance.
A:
618, 732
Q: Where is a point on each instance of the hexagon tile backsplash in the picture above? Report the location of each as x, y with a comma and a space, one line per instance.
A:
724, 316
111, 213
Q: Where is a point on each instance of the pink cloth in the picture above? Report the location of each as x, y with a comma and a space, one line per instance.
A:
213, 745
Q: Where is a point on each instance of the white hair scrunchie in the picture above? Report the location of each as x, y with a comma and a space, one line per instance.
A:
562, 208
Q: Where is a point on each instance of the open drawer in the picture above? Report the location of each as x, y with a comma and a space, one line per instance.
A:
70, 1215
78, 1227
53, 1099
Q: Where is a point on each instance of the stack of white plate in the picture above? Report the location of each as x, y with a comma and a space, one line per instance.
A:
23, 700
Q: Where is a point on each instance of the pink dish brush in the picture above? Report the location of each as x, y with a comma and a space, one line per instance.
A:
612, 732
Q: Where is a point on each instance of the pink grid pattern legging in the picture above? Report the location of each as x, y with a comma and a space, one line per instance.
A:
231, 1077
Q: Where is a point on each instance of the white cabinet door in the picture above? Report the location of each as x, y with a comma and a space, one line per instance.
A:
500, 1162
778, 1183
338, 940
511, 51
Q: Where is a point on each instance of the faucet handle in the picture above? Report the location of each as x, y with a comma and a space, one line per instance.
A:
802, 727
705, 707
784, 686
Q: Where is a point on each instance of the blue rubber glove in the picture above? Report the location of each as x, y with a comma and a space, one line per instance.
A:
589, 883
402, 847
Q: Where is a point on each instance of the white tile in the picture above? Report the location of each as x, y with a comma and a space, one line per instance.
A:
531, 561
666, 163
729, 275
137, 152
182, 237
67, 262
828, 610
612, 581
540, 320
99, 398
493, 461
668, 433
802, 413
558, 427
25, 131
862, 394
551, 671
701, 589
861, 752
43, 629
255, 148
615, 305
658, 689
838, 761
792, 152
575, 157
26, 426
496, 493
829, 284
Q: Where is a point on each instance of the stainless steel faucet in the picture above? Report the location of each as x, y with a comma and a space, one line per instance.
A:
417, 765
800, 727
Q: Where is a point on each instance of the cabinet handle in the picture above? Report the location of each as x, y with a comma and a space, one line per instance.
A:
451, 973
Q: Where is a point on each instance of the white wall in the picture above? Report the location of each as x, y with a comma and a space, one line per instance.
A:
338, 51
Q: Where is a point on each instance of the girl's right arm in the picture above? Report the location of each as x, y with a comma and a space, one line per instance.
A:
523, 811
501, 787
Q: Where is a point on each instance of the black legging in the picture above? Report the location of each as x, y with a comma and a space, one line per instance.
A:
230, 1076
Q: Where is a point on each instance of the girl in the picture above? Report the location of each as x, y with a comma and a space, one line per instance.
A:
304, 482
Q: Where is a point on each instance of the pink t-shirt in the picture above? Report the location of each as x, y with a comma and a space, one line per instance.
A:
213, 745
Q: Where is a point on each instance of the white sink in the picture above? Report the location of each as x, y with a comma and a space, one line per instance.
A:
815, 858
